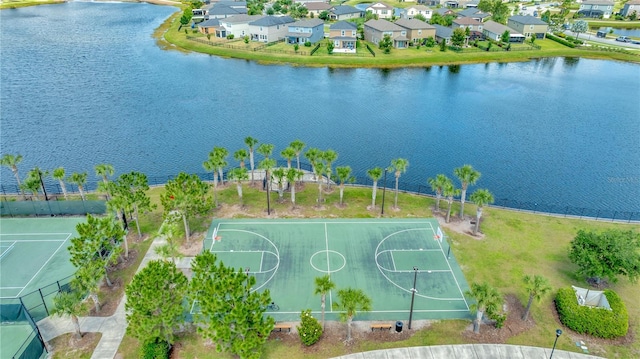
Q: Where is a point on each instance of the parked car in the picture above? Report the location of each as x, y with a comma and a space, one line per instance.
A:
623, 39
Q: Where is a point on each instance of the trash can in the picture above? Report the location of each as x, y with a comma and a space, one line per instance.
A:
398, 326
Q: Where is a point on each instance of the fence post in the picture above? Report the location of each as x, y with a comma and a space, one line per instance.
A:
43, 302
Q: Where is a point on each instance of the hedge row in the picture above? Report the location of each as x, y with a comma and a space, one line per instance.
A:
598, 322
560, 40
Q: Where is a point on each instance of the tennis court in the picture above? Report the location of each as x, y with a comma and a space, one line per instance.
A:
375, 255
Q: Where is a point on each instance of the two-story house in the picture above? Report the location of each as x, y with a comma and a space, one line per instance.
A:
443, 33
344, 12
382, 10
375, 30
630, 7
301, 31
474, 13
238, 25
528, 26
344, 35
223, 9
411, 12
474, 26
317, 7
600, 9
417, 29
270, 28
493, 30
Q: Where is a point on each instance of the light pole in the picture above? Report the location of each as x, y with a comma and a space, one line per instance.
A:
413, 294
558, 333
384, 189
268, 178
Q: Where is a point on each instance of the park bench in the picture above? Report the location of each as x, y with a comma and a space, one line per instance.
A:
280, 327
381, 326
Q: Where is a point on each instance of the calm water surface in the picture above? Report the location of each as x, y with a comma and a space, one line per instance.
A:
85, 83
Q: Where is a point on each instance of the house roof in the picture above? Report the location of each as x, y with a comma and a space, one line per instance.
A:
466, 21
344, 9
443, 11
343, 25
227, 10
527, 20
597, 2
383, 25
307, 23
469, 12
344, 38
242, 18
272, 21
443, 31
633, 2
499, 29
422, 7
413, 24
317, 6
210, 23
379, 5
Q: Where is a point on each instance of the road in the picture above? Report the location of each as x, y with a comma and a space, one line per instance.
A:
609, 40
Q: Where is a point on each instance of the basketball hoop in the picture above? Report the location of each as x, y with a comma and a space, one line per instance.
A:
217, 238
436, 237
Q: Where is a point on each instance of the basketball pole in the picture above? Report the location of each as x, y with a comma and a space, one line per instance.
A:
413, 294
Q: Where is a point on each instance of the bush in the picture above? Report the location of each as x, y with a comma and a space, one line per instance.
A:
560, 40
309, 329
158, 349
307, 43
230, 37
598, 322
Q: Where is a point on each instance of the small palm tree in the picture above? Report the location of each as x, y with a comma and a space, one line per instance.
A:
487, 299
400, 166
79, 179
437, 185
12, 161
537, 287
221, 154
280, 175
212, 164
104, 170
288, 154
238, 175
68, 303
59, 174
266, 149
267, 166
297, 146
329, 156
241, 156
344, 175
449, 191
350, 302
375, 174
313, 155
293, 175
31, 184
251, 143
481, 198
468, 176
319, 170
323, 286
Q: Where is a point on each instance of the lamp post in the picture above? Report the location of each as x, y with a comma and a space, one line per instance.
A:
384, 189
413, 294
268, 178
558, 333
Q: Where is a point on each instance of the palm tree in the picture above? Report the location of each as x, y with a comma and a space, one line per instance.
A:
329, 156
312, 155
319, 170
400, 166
221, 154
537, 287
351, 301
344, 174
104, 170
293, 175
280, 175
288, 154
251, 143
31, 184
487, 300
437, 185
297, 146
238, 175
480, 197
467, 176
68, 303
323, 286
12, 161
79, 179
38, 176
375, 174
241, 156
59, 174
449, 191
212, 164
265, 149
267, 166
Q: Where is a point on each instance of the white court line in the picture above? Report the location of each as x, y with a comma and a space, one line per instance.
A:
454, 275
261, 259
8, 249
43, 265
394, 262
304, 222
326, 242
1, 288
33, 234
35, 240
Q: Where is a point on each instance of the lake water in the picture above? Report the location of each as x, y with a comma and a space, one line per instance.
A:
85, 83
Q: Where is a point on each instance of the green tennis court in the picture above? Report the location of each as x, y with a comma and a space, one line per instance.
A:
375, 255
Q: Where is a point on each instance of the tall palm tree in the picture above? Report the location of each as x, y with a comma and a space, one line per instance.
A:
487, 299
537, 287
267, 166
437, 185
280, 175
288, 154
319, 171
39, 176
350, 302
238, 175
312, 155
69, 303
265, 149
293, 175
344, 175
221, 154
449, 191
481, 198
212, 164
12, 161
323, 286
31, 184
104, 170
241, 156
329, 156
59, 174
297, 146
400, 166
375, 174
79, 179
468, 176
251, 143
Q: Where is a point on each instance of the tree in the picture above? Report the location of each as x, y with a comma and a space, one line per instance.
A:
187, 195
280, 175
344, 175
241, 156
319, 170
68, 303
375, 174
458, 37
251, 143
288, 154
104, 170
499, 10
215, 163
59, 174
350, 302
449, 191
232, 315
313, 155
265, 149
443, 45
238, 175
293, 175
171, 232
323, 286
607, 254
31, 184
481, 198
267, 166
38, 175
330, 46
329, 156
505, 36
579, 27
297, 146
131, 189
386, 44
399, 165
79, 179
154, 302
12, 161
536, 286
221, 153
437, 185
467, 176
487, 299
87, 280
324, 15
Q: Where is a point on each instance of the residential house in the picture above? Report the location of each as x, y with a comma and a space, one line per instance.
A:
317, 7
600, 9
344, 35
224, 9
270, 28
630, 7
301, 31
445, 12
238, 25
382, 10
474, 26
375, 30
345, 12
472, 4
528, 26
474, 13
307, 2
417, 29
412, 11
493, 30
443, 33
209, 26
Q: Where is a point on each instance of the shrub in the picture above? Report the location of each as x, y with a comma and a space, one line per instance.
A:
598, 322
307, 43
309, 329
296, 47
230, 37
158, 349
560, 40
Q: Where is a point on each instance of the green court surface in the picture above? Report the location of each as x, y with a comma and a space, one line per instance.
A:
34, 254
375, 255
